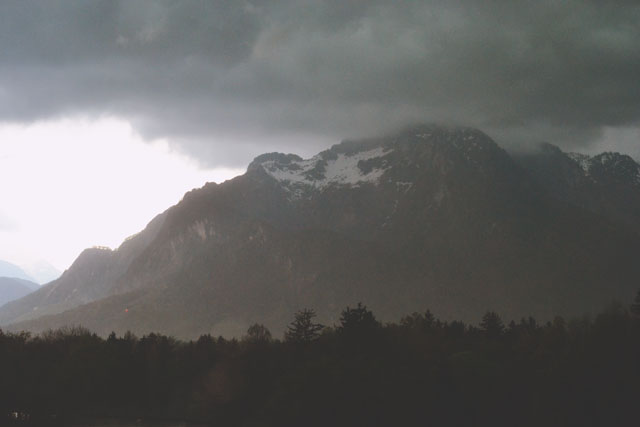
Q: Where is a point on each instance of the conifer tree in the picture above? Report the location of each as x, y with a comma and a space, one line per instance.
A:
492, 324
358, 319
303, 330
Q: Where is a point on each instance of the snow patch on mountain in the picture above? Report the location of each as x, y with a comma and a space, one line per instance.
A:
404, 186
582, 160
615, 163
321, 172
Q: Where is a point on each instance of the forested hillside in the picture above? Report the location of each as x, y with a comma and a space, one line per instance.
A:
419, 371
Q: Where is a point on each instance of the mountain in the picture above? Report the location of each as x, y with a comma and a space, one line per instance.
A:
92, 276
42, 271
607, 184
430, 217
8, 269
12, 288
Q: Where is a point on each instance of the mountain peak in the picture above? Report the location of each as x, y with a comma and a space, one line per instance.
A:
353, 163
609, 165
273, 157
8, 269
583, 160
329, 168
91, 256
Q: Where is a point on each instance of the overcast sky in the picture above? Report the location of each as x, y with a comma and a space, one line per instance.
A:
95, 184
219, 82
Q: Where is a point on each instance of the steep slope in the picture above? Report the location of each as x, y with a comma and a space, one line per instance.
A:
92, 276
12, 288
431, 217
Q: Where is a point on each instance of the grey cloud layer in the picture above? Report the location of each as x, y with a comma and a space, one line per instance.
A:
279, 73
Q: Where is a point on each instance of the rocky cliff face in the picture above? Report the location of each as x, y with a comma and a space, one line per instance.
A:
431, 217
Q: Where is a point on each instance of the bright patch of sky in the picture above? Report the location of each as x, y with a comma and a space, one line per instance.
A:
71, 184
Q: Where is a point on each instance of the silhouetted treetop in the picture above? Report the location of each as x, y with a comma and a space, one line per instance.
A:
303, 330
258, 333
422, 371
492, 324
358, 319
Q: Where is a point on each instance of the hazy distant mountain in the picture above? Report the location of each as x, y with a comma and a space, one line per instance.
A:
8, 269
12, 288
42, 271
431, 217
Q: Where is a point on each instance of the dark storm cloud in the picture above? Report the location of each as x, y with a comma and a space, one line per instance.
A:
230, 79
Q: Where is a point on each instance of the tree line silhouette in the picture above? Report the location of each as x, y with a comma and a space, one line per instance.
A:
419, 371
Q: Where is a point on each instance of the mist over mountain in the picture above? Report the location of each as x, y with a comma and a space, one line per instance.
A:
430, 217
39, 271
8, 269
42, 271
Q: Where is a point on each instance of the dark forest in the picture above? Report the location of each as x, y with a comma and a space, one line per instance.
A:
420, 371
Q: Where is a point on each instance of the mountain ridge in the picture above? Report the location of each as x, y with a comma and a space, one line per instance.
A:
431, 217
12, 288
94, 272
606, 184
8, 269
